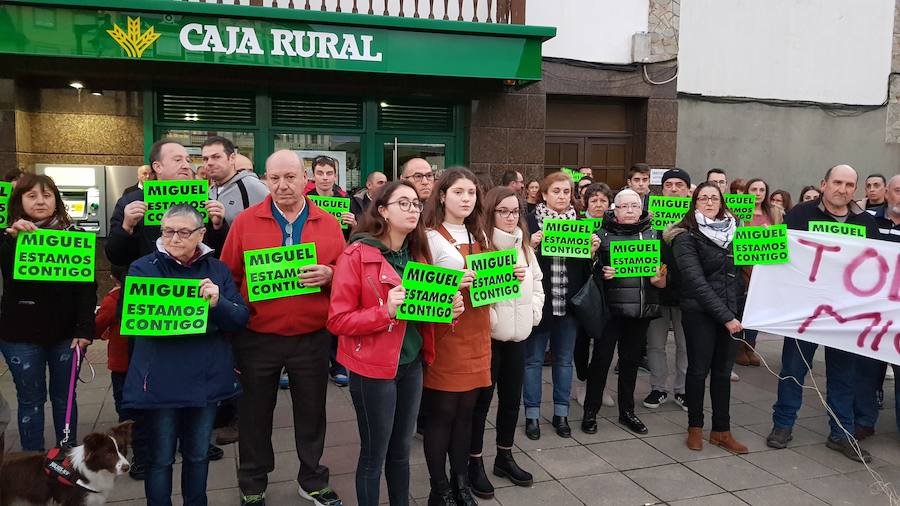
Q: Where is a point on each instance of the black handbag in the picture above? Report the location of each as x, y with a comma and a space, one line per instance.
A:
589, 308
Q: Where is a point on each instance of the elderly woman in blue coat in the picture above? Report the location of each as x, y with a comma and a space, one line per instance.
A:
179, 380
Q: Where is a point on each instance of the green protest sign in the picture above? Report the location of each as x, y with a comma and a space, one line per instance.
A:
55, 255
741, 205
272, 273
574, 174
667, 210
761, 245
429, 293
634, 258
161, 307
333, 205
567, 238
494, 277
5, 192
161, 195
596, 223
833, 227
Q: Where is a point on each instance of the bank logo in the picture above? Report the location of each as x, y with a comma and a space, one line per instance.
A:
133, 41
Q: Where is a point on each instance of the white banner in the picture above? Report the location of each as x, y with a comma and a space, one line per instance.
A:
837, 291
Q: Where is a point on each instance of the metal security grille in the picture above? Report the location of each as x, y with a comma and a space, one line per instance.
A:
182, 107
322, 115
420, 118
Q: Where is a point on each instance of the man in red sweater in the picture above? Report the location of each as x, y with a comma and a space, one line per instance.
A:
287, 333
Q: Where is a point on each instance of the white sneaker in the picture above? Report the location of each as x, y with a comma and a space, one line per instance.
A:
579, 389
735, 377
607, 399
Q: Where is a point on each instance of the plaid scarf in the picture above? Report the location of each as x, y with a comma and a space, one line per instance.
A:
559, 280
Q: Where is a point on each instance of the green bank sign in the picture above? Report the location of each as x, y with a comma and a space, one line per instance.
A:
190, 32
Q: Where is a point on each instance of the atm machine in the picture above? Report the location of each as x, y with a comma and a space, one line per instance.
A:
82, 188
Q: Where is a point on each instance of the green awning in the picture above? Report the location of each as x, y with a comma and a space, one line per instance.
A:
192, 32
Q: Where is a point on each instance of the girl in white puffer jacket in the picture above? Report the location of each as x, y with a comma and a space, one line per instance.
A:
511, 323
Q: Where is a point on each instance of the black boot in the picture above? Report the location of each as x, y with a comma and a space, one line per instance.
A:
506, 467
462, 493
532, 428
481, 486
441, 495
589, 422
562, 426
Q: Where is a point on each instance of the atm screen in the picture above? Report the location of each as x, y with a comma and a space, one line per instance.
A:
76, 204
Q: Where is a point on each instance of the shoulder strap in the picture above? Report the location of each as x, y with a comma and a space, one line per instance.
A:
245, 199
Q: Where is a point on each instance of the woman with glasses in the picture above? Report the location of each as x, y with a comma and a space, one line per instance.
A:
32, 343
384, 355
710, 288
563, 278
462, 362
633, 302
511, 323
178, 381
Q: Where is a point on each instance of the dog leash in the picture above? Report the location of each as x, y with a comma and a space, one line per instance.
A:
72, 378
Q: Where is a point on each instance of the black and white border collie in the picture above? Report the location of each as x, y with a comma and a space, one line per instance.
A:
28, 479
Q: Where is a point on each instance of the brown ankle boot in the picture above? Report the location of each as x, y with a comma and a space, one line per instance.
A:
727, 441
695, 438
742, 358
752, 357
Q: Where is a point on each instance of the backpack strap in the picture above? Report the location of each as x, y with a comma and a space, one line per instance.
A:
245, 198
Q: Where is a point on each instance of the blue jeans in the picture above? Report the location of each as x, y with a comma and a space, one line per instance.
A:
386, 414
165, 427
29, 364
840, 376
560, 331
869, 377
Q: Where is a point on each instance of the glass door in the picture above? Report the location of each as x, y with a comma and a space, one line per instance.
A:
397, 150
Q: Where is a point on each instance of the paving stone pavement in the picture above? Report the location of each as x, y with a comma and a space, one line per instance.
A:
613, 466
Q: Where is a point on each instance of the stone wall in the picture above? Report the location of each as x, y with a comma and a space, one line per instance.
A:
892, 121
663, 22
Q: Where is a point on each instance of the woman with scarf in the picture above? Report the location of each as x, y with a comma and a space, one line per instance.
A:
32, 343
633, 302
711, 289
563, 278
384, 355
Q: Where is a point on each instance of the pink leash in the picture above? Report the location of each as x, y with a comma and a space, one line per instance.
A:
72, 378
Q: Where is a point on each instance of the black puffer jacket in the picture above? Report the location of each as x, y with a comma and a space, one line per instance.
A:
626, 297
708, 279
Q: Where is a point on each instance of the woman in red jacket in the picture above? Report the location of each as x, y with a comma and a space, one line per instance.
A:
384, 355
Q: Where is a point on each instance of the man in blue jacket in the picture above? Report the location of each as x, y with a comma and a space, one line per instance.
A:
836, 205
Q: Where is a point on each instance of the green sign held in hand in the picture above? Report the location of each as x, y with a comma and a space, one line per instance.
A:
596, 223
161, 195
5, 192
667, 210
273, 273
567, 238
761, 245
833, 227
162, 307
634, 258
55, 255
494, 277
429, 293
741, 205
574, 174
333, 205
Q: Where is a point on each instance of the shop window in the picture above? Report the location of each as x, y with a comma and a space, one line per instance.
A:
343, 148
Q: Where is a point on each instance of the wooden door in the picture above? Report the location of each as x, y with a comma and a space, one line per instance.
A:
609, 159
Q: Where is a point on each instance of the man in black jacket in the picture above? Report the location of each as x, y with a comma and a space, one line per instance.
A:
129, 239
836, 205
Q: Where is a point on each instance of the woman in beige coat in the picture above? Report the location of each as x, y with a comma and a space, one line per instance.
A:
511, 323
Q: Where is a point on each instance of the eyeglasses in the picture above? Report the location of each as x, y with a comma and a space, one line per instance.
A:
289, 230
183, 233
418, 177
324, 160
408, 205
627, 207
711, 200
506, 213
